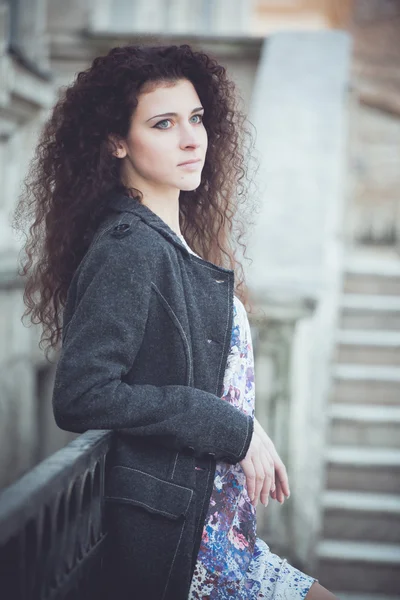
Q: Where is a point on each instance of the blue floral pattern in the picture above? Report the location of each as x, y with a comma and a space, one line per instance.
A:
232, 561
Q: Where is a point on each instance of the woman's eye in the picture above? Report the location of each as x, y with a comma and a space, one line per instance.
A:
157, 125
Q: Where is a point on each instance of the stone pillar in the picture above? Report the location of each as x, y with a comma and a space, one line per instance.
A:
298, 109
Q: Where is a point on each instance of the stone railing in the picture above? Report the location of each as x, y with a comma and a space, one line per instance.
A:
273, 334
52, 536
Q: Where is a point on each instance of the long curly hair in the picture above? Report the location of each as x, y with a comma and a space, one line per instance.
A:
73, 171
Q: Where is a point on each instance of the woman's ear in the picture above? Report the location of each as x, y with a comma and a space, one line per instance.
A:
116, 147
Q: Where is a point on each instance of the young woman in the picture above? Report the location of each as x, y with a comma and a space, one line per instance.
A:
134, 190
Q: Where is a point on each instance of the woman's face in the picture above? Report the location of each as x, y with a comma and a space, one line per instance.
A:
157, 143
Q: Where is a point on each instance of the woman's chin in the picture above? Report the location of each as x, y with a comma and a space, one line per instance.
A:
189, 186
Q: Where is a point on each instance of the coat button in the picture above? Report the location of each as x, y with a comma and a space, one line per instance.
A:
220, 280
121, 230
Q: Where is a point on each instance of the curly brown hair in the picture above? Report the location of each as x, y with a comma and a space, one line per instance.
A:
73, 171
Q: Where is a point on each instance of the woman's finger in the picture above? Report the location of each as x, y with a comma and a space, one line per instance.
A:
268, 482
273, 478
281, 474
279, 466
260, 477
279, 495
265, 487
249, 471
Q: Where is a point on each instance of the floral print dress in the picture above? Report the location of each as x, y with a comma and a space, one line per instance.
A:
233, 563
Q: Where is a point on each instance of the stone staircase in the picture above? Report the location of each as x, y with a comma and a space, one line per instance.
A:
359, 549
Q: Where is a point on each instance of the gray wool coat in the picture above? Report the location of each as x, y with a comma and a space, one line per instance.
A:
146, 336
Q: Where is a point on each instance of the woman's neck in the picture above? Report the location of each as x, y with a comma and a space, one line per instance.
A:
168, 211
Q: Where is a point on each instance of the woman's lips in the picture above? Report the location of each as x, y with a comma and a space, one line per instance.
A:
191, 166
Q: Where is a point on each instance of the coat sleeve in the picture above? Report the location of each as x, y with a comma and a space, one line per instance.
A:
100, 341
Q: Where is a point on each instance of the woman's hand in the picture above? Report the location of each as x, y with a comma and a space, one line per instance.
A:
258, 467
265, 472
281, 477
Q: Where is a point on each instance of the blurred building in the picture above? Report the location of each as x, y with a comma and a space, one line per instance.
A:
268, 16
344, 358
326, 271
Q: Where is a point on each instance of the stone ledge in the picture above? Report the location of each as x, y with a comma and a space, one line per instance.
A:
86, 43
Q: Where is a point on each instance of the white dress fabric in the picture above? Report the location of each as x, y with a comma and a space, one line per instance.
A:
233, 563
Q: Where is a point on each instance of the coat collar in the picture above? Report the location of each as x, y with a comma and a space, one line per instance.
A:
122, 203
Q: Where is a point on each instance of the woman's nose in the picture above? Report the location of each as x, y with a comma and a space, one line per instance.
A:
189, 138
190, 141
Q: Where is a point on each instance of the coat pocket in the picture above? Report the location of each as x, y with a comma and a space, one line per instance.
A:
133, 486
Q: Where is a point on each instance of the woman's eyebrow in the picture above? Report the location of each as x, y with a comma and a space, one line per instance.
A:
172, 114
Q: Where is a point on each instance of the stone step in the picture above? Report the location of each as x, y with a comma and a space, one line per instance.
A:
360, 425
367, 373
359, 567
376, 338
365, 384
379, 457
369, 319
365, 414
363, 517
371, 284
366, 503
371, 275
369, 311
368, 347
388, 554
373, 261
370, 302
363, 469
